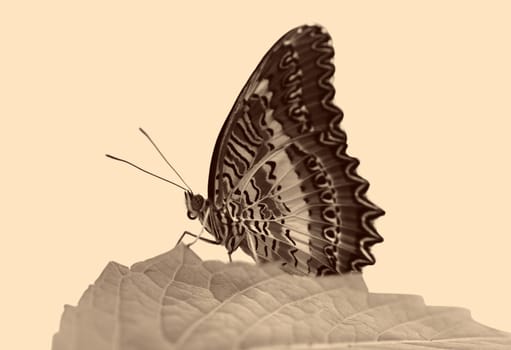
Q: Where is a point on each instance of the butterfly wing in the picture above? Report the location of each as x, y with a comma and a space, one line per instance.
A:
280, 167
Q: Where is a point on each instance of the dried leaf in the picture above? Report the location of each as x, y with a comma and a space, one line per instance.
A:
177, 301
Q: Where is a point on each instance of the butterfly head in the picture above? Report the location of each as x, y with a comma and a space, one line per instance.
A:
195, 204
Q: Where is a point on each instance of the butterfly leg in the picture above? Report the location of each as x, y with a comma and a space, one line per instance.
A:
197, 237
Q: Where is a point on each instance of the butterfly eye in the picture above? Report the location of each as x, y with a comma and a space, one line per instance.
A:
197, 202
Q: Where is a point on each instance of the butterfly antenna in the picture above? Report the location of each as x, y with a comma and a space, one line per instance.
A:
164, 158
145, 171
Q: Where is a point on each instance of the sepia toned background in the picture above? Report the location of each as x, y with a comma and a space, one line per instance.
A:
425, 88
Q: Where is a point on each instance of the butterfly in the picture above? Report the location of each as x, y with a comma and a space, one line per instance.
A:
281, 186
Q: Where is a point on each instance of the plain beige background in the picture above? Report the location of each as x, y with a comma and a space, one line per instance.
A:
425, 88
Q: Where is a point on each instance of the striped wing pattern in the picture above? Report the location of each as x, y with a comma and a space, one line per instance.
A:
280, 178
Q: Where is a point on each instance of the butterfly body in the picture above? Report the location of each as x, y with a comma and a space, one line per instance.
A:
281, 186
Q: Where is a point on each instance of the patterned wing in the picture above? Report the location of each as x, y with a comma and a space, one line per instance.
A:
280, 168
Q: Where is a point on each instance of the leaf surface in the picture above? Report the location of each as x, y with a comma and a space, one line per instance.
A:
177, 301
